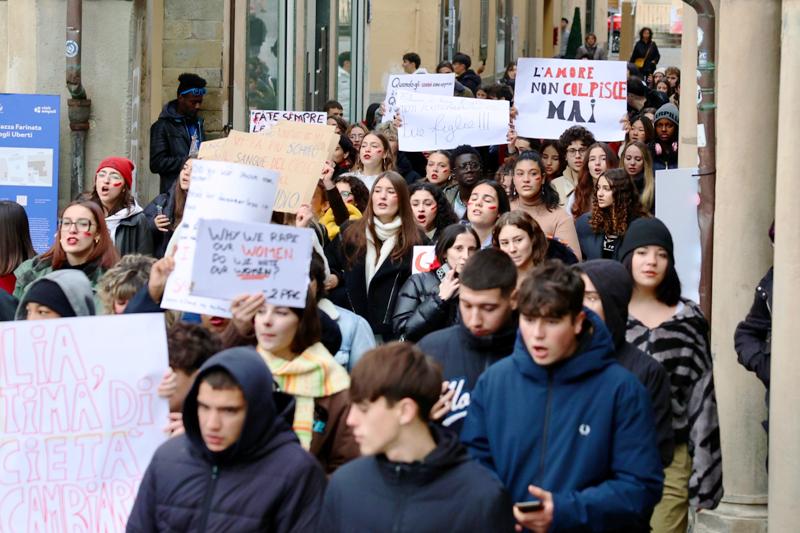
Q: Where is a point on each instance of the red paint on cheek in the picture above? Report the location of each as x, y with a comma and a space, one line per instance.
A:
433, 209
87, 234
116, 185
491, 207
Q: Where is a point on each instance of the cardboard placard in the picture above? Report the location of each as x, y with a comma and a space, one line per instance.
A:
261, 121
439, 84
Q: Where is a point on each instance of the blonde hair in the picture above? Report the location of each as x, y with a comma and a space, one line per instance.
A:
124, 279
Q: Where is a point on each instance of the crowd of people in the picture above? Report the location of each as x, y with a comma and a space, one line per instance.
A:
545, 374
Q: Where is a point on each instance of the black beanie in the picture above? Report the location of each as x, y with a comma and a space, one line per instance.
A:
49, 293
646, 232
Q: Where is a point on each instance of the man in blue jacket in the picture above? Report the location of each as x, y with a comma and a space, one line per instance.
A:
562, 421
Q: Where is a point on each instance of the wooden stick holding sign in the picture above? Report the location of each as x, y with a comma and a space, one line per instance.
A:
238, 257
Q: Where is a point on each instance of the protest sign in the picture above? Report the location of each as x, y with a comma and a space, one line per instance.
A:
211, 150
432, 122
423, 258
295, 150
234, 258
441, 84
262, 121
81, 419
677, 198
552, 95
218, 190
29, 148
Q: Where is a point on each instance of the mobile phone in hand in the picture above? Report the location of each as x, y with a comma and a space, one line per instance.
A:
530, 506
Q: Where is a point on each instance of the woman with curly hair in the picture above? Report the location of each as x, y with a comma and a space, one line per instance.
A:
599, 158
615, 205
431, 209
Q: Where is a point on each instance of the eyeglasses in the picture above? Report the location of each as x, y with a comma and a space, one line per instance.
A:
469, 165
194, 91
345, 194
82, 224
576, 151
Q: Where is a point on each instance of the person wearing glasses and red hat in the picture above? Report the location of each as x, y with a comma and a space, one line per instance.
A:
178, 131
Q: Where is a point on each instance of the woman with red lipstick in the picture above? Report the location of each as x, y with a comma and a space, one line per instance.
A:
540, 200
520, 237
552, 157
289, 342
599, 158
438, 170
371, 257
638, 164
15, 242
485, 205
431, 209
614, 206
374, 157
674, 332
83, 243
428, 301
125, 219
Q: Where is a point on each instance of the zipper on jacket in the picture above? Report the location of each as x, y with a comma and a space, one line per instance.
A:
207, 499
540, 475
390, 307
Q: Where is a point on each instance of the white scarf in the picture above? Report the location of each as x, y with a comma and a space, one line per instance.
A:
387, 233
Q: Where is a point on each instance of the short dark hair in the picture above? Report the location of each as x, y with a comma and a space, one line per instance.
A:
331, 104
220, 379
190, 345
448, 238
463, 149
490, 269
462, 58
189, 80
413, 57
576, 133
500, 91
395, 371
552, 290
565, 19
344, 56
668, 291
444, 64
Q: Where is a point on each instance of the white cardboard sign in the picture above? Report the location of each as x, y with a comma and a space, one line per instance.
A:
262, 120
439, 84
245, 257
81, 419
552, 95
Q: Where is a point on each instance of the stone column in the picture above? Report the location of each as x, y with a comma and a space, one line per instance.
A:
744, 211
784, 460
627, 34
687, 152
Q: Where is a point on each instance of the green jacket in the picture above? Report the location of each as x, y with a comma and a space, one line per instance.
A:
36, 268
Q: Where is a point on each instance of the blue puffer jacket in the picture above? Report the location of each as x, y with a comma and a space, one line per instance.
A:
582, 429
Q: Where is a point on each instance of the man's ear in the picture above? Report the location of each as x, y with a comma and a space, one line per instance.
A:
408, 409
578, 322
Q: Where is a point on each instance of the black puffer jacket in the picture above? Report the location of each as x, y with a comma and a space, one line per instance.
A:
753, 335
420, 310
166, 201
614, 286
265, 481
446, 491
470, 80
134, 236
170, 143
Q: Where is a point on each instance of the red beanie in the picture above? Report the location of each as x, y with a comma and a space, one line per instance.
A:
120, 164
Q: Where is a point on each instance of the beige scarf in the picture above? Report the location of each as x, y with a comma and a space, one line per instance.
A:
387, 233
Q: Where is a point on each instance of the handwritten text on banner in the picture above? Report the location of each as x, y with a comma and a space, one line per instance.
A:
440, 84
262, 120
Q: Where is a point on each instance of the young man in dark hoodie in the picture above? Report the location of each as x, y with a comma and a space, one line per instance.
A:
239, 466
486, 332
607, 291
178, 131
561, 421
415, 475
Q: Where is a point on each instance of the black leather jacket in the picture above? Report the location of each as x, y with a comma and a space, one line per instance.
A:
420, 310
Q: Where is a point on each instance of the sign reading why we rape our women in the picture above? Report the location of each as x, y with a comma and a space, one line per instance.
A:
219, 190
432, 122
554, 94
262, 120
80, 419
238, 257
441, 84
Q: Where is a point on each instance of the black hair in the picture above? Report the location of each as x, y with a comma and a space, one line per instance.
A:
347, 147
447, 239
489, 269
413, 57
331, 104
668, 291
636, 86
548, 194
641, 33
462, 150
357, 187
565, 19
316, 272
220, 379
503, 203
462, 58
369, 117
444, 64
551, 290
500, 91
444, 209
344, 56
189, 80
190, 345
576, 133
